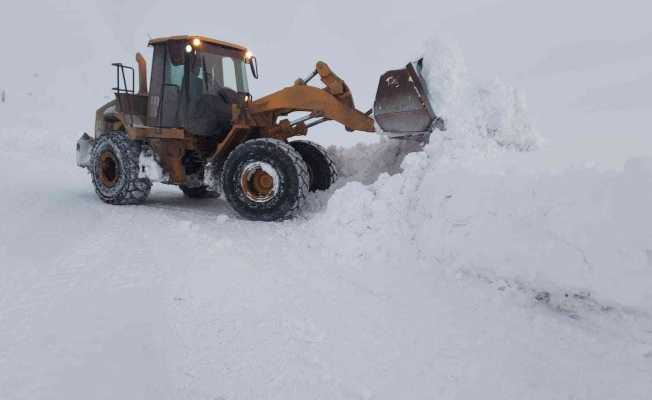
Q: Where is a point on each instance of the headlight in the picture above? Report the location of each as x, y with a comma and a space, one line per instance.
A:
188, 48
196, 42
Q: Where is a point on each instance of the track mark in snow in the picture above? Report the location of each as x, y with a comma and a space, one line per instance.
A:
580, 307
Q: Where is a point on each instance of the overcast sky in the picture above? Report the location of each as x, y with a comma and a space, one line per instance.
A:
66, 47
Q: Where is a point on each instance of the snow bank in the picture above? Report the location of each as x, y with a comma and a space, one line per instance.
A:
462, 205
477, 114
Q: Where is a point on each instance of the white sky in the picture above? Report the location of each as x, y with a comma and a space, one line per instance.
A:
584, 66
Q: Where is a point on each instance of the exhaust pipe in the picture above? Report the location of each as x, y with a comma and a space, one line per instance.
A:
142, 74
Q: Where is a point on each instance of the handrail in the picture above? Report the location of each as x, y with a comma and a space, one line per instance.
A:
120, 71
118, 89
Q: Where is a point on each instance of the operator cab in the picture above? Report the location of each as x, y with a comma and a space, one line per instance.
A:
195, 82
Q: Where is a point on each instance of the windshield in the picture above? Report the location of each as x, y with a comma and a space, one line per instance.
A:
216, 68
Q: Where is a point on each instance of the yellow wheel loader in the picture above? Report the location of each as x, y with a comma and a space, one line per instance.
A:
198, 127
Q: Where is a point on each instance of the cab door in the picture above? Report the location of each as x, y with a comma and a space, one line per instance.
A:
166, 87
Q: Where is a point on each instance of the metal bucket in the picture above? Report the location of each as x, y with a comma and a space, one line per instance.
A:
402, 107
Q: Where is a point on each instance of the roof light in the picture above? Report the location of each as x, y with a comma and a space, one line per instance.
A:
196, 42
249, 55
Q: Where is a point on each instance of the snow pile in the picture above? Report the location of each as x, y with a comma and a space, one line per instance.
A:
463, 204
577, 232
475, 112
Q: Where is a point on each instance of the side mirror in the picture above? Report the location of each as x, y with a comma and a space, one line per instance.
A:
253, 64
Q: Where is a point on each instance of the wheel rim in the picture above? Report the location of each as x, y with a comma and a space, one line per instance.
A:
259, 181
109, 169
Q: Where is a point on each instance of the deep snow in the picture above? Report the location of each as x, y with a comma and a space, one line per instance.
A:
507, 259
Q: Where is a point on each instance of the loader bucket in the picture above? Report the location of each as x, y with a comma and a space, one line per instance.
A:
402, 107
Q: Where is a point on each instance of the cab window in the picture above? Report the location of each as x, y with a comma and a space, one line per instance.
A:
228, 68
173, 73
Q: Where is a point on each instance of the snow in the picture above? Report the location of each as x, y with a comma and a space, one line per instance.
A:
509, 258
563, 231
466, 207
150, 168
475, 111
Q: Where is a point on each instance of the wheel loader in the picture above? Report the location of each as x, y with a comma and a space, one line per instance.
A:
197, 126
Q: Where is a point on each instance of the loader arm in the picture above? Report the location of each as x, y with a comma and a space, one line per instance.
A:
334, 102
320, 102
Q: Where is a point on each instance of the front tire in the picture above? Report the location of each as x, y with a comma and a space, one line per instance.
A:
265, 180
114, 169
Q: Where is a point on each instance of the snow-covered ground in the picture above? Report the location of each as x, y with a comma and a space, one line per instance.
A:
511, 258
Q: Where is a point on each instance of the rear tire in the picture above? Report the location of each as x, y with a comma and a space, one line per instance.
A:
321, 167
114, 169
265, 180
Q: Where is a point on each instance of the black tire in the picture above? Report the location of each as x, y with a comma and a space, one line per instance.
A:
321, 167
265, 180
199, 192
114, 169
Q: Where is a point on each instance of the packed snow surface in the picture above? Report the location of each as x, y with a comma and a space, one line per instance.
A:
466, 268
